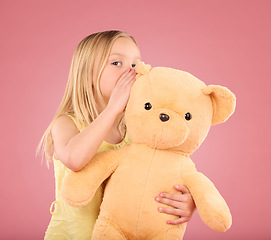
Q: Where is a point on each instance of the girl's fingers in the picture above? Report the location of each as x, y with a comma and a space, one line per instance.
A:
128, 72
177, 212
130, 80
124, 74
181, 203
178, 221
174, 200
124, 80
130, 75
181, 188
175, 197
171, 211
166, 197
172, 203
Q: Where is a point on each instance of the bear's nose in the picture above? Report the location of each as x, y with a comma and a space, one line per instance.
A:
164, 117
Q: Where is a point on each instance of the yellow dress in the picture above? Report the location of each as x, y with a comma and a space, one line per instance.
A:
70, 223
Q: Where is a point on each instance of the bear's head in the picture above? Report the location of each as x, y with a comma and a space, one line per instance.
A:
172, 109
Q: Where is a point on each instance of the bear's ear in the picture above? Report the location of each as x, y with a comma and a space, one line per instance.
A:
141, 68
223, 100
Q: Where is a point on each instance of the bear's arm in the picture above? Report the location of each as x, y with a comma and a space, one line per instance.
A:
211, 206
79, 188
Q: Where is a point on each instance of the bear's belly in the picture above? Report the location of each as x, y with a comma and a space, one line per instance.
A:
130, 192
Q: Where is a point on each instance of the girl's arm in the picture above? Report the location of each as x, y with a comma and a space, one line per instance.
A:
75, 149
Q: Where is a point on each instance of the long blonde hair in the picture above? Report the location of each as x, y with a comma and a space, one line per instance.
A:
78, 99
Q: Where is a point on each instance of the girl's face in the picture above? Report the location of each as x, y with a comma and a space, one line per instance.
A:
124, 54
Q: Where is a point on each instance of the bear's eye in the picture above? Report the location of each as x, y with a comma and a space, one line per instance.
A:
148, 106
188, 116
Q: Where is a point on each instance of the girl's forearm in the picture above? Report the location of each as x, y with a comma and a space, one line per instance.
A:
84, 145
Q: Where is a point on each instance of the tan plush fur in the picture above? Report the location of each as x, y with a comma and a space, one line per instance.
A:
157, 159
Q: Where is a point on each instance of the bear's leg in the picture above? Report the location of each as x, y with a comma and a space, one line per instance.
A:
173, 233
105, 229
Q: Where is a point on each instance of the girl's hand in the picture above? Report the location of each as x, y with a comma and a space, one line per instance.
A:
183, 204
121, 92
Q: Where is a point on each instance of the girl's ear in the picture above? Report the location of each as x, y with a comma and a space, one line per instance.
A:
223, 100
141, 68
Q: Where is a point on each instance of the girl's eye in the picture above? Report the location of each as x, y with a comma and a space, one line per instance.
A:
116, 64
119, 63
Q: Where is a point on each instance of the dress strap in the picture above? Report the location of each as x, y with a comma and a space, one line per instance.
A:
79, 127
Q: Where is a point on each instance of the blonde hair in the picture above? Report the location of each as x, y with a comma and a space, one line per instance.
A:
78, 99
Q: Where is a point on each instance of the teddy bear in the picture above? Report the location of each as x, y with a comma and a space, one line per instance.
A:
168, 116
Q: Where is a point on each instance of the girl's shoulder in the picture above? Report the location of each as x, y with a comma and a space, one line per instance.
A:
80, 126
62, 130
66, 119
73, 118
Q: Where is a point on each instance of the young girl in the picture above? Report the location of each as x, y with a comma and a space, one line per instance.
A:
90, 119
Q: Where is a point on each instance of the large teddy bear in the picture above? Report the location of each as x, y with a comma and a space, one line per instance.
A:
168, 115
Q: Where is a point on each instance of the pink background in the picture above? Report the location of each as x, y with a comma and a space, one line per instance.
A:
221, 42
